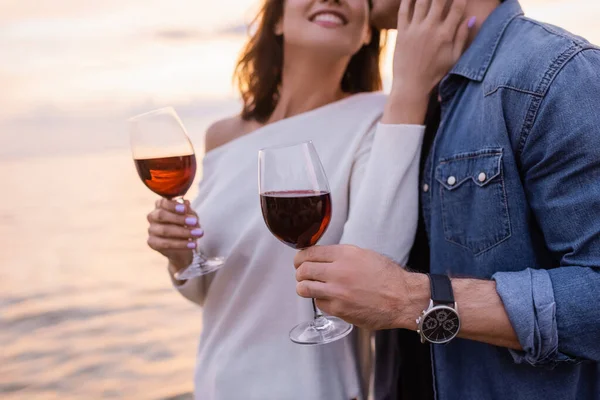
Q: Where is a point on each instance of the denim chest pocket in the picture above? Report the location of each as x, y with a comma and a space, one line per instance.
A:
473, 200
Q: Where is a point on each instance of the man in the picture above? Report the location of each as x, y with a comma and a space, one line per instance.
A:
511, 204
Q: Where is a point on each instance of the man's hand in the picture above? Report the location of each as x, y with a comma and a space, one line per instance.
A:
371, 291
360, 286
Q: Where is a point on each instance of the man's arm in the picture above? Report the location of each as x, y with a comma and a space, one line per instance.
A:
551, 315
371, 291
482, 314
555, 311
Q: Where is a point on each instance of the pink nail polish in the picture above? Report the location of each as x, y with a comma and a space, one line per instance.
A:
472, 22
180, 208
191, 221
197, 232
191, 245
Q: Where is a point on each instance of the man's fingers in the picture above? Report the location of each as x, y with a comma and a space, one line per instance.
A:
322, 254
312, 290
311, 271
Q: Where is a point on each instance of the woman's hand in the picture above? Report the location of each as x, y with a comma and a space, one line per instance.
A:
172, 232
432, 35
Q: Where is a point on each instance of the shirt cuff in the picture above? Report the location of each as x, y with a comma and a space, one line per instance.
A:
528, 298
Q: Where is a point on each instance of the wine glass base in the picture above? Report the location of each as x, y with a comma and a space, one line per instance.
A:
200, 266
321, 331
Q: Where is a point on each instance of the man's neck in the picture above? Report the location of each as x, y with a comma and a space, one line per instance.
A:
308, 81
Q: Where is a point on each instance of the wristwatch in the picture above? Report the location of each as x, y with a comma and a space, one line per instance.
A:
440, 323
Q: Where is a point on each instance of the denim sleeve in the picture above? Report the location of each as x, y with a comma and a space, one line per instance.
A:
556, 312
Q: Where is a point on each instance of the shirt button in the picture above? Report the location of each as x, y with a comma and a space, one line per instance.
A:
482, 177
451, 181
426, 188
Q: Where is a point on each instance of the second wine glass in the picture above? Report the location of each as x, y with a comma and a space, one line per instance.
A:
296, 206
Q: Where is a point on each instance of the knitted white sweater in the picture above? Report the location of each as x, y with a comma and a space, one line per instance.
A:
250, 305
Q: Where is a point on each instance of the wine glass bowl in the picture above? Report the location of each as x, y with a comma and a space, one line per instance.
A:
296, 206
297, 218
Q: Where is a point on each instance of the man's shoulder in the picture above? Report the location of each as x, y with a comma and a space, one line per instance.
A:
534, 52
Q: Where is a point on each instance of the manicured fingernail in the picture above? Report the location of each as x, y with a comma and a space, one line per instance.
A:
197, 232
180, 208
191, 245
472, 22
191, 221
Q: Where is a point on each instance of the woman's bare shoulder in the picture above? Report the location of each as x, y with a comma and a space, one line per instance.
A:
226, 130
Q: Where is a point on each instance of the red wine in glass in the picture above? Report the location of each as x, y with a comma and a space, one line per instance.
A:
165, 161
296, 206
169, 177
297, 218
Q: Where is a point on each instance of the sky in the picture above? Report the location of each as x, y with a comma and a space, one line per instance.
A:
71, 70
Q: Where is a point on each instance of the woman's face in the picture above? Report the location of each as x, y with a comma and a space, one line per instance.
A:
336, 27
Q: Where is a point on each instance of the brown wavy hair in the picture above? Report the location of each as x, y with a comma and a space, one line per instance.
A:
259, 68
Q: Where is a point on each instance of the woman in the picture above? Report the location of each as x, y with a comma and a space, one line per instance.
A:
307, 73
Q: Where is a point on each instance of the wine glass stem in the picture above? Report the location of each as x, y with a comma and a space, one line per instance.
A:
320, 322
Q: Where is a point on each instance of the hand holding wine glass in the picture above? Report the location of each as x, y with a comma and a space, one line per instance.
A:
172, 224
166, 163
296, 206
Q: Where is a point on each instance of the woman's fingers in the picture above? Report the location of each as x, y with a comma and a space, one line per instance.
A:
174, 231
462, 37
173, 206
455, 16
421, 10
162, 244
405, 13
162, 216
437, 11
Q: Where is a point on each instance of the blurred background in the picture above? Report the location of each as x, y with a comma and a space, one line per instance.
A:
86, 310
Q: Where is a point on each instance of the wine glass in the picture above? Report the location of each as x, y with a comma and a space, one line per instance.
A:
296, 206
165, 161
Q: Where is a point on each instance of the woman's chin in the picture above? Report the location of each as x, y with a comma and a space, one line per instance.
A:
327, 47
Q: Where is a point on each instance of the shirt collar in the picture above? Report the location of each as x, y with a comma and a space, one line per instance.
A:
475, 62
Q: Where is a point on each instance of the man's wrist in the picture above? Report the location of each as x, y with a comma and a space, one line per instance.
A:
415, 299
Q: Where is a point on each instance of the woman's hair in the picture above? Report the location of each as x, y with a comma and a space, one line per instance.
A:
259, 68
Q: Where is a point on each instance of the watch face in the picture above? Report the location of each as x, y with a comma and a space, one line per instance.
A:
441, 324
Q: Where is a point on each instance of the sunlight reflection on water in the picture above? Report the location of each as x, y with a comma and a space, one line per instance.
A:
86, 310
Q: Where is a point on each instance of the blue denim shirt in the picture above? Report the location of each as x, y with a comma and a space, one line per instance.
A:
511, 192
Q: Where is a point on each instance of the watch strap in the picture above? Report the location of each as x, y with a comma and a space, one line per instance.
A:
441, 289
